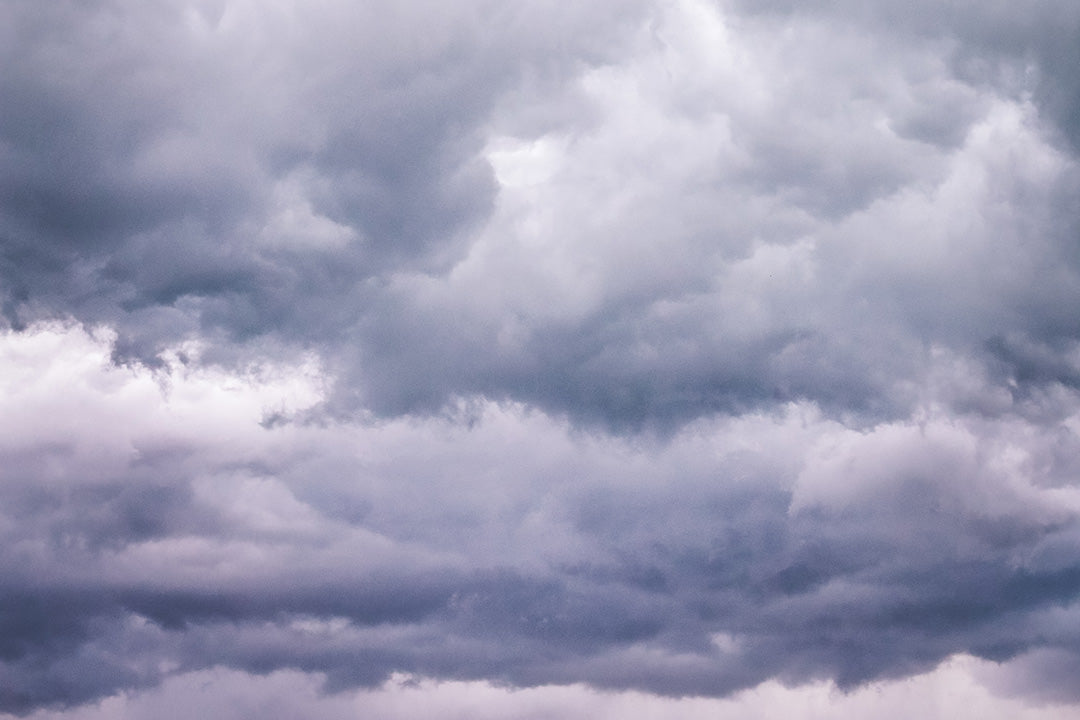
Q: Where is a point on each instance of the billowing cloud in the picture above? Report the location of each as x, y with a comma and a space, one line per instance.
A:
664, 348
173, 520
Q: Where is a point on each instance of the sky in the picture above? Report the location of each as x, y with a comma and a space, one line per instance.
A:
482, 359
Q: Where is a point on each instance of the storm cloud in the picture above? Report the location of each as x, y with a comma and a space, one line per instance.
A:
678, 351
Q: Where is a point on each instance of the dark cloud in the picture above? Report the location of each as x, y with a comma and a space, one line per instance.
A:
249, 171
675, 347
743, 549
322, 178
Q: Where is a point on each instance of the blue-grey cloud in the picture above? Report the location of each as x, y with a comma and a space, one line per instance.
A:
675, 347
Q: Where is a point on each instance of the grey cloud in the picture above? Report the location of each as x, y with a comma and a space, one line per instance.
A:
307, 181
1017, 48
823, 257
676, 348
517, 552
160, 160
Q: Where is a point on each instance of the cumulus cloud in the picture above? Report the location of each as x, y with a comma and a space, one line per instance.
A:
645, 350
634, 227
156, 522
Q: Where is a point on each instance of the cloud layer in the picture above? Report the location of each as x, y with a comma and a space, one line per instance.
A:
673, 347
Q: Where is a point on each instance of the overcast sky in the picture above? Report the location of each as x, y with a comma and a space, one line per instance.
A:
480, 359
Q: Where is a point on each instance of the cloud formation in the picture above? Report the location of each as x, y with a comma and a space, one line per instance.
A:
158, 528
675, 348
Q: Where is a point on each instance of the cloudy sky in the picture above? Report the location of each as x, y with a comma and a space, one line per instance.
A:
481, 359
